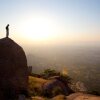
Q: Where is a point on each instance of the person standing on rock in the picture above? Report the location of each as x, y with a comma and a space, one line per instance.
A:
7, 30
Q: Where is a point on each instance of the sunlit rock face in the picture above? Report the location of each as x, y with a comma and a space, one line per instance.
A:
82, 96
13, 70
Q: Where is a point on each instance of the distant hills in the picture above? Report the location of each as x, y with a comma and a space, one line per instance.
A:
82, 62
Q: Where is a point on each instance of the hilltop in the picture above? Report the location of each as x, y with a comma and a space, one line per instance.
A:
17, 84
13, 70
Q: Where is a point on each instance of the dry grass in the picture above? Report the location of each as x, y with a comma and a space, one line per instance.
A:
35, 85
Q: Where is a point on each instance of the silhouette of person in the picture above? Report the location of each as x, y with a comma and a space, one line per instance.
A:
7, 30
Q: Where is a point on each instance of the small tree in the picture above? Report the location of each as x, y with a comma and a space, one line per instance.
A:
49, 73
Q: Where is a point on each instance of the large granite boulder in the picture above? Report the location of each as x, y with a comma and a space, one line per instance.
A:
82, 96
13, 70
56, 85
77, 96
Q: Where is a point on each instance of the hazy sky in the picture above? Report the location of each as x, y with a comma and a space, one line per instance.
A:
51, 21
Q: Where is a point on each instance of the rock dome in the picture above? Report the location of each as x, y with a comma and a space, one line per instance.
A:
13, 69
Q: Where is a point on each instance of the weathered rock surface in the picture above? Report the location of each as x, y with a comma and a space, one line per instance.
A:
59, 97
54, 87
13, 69
38, 98
82, 96
76, 96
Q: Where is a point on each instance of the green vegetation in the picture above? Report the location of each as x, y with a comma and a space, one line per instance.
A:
49, 73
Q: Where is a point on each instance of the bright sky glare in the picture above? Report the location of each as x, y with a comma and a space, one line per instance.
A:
51, 20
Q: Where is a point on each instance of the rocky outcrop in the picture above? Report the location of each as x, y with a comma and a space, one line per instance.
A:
82, 96
56, 85
37, 98
13, 70
59, 97
76, 96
